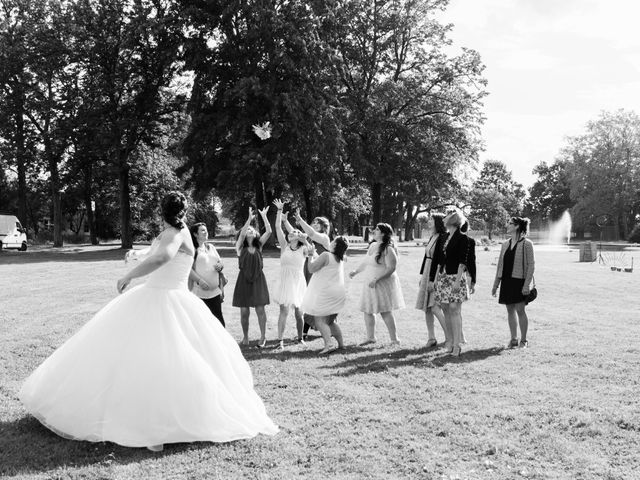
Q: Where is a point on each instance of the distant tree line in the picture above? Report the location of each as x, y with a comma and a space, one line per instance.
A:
596, 177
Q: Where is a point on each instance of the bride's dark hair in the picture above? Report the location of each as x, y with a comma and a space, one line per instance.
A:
174, 208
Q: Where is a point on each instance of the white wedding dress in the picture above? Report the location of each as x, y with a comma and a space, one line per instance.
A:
152, 367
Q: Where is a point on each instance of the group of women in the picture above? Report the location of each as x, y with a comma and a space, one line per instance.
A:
448, 277
153, 367
312, 283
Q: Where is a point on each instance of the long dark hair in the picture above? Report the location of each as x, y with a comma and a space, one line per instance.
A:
387, 232
254, 243
193, 230
342, 244
438, 222
174, 208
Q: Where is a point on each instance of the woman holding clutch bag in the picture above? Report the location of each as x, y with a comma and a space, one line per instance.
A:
514, 275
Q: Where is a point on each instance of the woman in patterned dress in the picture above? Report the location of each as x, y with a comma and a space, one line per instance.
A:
381, 292
450, 286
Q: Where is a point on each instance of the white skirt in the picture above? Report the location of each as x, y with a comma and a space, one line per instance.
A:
152, 367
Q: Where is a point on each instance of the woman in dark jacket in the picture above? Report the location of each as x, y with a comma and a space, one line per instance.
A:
448, 277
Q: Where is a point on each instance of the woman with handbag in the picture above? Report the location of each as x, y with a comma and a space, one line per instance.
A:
206, 278
514, 276
448, 279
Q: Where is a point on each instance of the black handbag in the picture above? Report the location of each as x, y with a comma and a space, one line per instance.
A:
533, 293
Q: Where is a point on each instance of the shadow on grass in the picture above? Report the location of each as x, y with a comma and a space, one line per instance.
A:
294, 351
26, 446
421, 357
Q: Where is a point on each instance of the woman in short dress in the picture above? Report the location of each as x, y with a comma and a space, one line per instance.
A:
206, 272
326, 294
514, 275
251, 289
449, 263
381, 292
318, 234
291, 286
426, 299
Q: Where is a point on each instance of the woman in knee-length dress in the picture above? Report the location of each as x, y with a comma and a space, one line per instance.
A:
326, 294
291, 285
153, 366
381, 292
251, 289
426, 299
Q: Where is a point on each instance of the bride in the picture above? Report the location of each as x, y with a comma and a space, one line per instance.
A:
153, 366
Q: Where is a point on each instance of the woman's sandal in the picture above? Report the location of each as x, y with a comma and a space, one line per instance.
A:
262, 345
327, 350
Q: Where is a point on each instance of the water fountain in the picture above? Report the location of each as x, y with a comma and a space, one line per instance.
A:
560, 230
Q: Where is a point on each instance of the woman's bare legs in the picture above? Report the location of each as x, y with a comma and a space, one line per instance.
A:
299, 323
282, 323
262, 323
390, 322
523, 320
244, 321
325, 331
370, 325
513, 323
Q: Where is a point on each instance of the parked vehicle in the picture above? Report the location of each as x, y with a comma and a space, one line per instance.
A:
12, 234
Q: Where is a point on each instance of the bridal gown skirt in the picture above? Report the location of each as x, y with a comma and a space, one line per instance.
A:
152, 367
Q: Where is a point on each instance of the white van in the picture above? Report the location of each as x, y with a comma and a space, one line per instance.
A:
12, 235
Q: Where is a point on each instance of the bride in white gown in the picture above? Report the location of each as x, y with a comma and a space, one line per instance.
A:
153, 366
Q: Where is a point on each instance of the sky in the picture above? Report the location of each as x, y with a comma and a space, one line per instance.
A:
552, 66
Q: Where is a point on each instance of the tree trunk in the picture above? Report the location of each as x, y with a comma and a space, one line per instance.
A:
376, 202
56, 202
126, 235
409, 223
91, 220
308, 202
21, 164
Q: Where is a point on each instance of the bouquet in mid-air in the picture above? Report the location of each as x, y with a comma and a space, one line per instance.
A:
263, 131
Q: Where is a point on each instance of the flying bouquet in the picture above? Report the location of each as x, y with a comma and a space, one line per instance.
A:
263, 131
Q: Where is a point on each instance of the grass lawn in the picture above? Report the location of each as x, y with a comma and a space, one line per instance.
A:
567, 407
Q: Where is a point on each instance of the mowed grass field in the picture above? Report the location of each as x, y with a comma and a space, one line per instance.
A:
567, 407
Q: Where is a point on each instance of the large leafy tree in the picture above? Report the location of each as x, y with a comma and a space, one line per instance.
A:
496, 195
129, 51
255, 63
414, 109
605, 169
550, 195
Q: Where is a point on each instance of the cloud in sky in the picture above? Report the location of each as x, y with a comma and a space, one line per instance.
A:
552, 65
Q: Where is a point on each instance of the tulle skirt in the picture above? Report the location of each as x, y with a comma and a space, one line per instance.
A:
290, 287
152, 367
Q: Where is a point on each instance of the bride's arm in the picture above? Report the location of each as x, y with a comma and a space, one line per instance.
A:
169, 244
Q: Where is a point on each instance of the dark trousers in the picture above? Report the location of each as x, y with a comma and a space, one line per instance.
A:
215, 305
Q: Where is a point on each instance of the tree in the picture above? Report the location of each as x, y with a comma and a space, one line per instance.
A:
495, 195
550, 195
130, 51
404, 94
255, 63
605, 166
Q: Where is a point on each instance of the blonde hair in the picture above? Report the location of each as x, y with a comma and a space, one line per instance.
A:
455, 218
